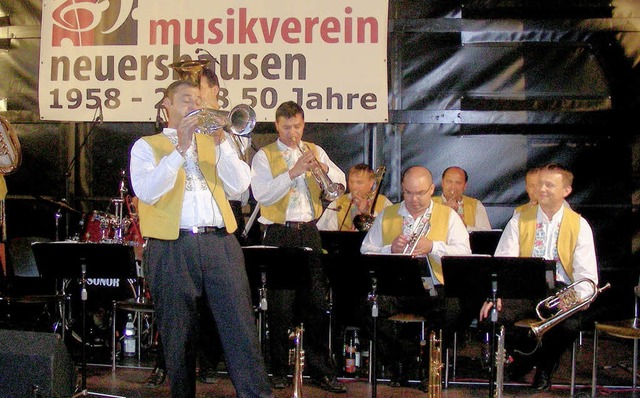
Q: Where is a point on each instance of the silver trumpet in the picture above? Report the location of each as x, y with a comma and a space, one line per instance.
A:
239, 121
564, 304
330, 190
423, 228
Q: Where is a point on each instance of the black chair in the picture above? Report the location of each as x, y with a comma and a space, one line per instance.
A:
23, 285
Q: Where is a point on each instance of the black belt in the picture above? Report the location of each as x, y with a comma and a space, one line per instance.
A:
298, 224
203, 230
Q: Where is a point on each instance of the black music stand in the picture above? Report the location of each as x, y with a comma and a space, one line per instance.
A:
472, 278
394, 275
347, 281
66, 260
484, 242
272, 267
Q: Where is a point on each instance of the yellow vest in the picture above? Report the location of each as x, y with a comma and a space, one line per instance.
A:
3, 188
469, 205
162, 219
392, 227
277, 212
343, 203
567, 236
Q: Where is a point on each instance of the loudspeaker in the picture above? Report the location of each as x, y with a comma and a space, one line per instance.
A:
35, 364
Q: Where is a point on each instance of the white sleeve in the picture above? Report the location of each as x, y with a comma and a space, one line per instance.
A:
267, 189
482, 219
457, 243
372, 242
150, 180
509, 243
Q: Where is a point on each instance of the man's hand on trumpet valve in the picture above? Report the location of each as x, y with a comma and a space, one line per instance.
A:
423, 247
304, 163
185, 130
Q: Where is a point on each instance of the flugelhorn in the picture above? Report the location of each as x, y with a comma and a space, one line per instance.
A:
364, 221
565, 303
422, 227
239, 121
330, 190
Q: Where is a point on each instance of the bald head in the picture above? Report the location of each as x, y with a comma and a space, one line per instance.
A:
417, 188
454, 183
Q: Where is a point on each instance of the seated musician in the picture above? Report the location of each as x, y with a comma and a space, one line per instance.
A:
392, 232
554, 232
471, 210
531, 187
340, 213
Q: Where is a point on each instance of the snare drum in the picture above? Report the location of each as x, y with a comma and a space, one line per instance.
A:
98, 226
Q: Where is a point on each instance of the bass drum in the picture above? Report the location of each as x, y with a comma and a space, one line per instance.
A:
98, 226
101, 292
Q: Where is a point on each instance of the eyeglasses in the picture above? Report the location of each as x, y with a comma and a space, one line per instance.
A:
418, 195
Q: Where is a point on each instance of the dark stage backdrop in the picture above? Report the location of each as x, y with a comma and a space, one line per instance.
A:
492, 86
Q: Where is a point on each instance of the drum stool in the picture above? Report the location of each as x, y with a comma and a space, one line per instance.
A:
139, 308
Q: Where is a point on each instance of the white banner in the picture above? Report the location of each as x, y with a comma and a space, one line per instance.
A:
110, 58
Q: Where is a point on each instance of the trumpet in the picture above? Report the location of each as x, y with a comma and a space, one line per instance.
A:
565, 303
239, 121
330, 190
296, 358
424, 225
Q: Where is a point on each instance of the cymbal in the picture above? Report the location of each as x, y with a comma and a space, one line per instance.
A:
61, 203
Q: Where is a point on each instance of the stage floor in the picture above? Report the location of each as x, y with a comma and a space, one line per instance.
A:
614, 371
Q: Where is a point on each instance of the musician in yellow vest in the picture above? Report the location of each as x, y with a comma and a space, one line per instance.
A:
531, 187
471, 210
340, 213
180, 179
391, 232
552, 231
290, 205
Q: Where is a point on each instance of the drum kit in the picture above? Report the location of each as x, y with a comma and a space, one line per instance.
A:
105, 228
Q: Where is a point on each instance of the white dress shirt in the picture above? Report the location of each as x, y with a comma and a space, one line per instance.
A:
456, 244
584, 256
150, 179
482, 218
268, 189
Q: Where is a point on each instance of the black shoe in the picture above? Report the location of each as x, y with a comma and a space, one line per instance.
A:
208, 376
398, 375
279, 382
519, 369
331, 384
542, 380
156, 378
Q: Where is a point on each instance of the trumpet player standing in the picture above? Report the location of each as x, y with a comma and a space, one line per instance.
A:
555, 232
359, 200
471, 210
400, 226
180, 179
289, 195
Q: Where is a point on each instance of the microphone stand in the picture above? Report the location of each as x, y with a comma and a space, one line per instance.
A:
494, 345
67, 174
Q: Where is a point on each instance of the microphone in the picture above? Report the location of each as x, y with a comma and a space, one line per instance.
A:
199, 50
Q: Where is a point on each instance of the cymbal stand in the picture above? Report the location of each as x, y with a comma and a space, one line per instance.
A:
373, 299
262, 311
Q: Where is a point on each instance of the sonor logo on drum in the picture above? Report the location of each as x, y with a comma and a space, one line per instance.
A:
108, 282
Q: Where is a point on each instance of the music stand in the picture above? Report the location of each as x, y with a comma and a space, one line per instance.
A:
64, 260
471, 278
484, 242
394, 275
272, 267
347, 280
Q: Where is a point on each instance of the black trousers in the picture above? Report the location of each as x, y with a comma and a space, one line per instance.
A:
307, 304
212, 266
